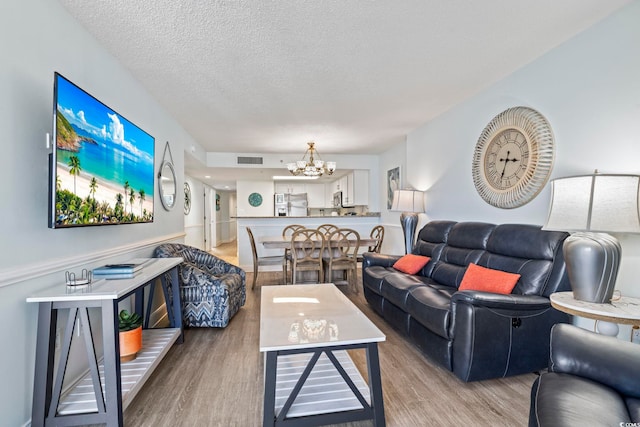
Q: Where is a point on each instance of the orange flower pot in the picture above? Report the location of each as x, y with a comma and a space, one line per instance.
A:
130, 344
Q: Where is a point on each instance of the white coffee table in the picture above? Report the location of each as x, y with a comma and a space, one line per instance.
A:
309, 378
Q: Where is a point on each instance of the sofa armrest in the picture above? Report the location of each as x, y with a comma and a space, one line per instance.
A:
370, 259
500, 301
497, 335
606, 360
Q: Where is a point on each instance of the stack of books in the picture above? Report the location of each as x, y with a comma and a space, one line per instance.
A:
117, 271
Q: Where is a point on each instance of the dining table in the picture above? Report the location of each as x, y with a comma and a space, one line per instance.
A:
282, 242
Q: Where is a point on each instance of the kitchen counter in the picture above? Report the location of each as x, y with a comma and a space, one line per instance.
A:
368, 215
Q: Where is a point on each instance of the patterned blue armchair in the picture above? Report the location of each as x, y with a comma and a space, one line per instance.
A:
212, 290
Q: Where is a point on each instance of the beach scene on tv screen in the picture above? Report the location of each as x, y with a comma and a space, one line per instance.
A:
104, 163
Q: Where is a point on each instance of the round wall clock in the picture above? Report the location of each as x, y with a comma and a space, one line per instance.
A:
513, 158
187, 198
255, 199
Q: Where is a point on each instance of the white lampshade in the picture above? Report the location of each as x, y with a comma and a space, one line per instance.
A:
596, 203
408, 201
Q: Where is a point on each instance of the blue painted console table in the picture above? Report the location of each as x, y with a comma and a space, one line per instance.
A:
102, 395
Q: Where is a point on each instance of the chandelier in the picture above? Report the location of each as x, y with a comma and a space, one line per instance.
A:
311, 167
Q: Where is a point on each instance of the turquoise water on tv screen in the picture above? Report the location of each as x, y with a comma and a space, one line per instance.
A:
108, 146
112, 165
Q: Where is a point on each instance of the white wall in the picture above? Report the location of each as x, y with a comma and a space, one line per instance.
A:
38, 37
588, 89
393, 242
264, 188
194, 220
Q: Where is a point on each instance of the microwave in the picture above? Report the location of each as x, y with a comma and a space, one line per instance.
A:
337, 199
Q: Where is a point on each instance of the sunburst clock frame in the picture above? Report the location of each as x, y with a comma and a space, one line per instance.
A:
513, 158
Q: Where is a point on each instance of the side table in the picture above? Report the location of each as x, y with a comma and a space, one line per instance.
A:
625, 310
103, 394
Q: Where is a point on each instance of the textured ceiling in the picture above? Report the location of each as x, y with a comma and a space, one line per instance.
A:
356, 76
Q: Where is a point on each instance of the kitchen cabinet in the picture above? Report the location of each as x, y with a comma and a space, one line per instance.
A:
329, 190
336, 186
355, 188
315, 195
291, 188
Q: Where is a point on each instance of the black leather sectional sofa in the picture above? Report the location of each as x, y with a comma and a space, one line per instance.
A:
477, 335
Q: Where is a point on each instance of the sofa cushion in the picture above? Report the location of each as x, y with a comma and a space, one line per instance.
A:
569, 400
374, 276
396, 287
411, 264
470, 235
465, 244
479, 278
431, 307
431, 241
507, 239
539, 261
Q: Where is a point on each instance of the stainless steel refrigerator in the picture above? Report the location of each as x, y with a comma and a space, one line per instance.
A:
290, 204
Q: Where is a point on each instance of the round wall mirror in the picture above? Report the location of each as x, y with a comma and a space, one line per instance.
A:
167, 185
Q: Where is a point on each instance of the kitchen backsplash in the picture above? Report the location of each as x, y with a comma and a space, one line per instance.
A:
356, 210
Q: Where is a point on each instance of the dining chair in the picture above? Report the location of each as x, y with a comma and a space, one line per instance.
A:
377, 233
287, 232
327, 229
307, 247
259, 261
343, 246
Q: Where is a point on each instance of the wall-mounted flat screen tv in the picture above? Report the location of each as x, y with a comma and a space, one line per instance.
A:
102, 165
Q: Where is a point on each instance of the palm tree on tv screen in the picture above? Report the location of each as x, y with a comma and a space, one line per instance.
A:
74, 164
117, 210
142, 196
132, 198
93, 186
126, 191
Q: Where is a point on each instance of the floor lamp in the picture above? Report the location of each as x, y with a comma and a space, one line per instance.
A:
410, 203
592, 206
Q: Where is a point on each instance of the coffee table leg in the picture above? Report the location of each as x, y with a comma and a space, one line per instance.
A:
375, 384
270, 367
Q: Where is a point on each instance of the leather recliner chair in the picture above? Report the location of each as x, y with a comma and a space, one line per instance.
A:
593, 380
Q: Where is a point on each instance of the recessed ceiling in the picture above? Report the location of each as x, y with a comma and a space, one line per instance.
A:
355, 76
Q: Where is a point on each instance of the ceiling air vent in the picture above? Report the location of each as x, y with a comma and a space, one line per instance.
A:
249, 160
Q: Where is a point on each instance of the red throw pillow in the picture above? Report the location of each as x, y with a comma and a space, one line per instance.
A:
411, 263
478, 278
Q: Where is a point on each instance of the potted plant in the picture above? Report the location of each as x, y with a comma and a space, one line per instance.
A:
130, 327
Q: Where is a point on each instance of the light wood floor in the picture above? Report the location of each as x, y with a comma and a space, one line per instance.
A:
227, 251
215, 379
